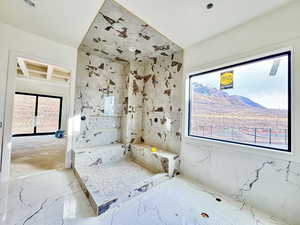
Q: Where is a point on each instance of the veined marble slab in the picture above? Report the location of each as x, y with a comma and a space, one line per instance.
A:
180, 202
159, 161
55, 198
44, 199
88, 157
112, 174
113, 183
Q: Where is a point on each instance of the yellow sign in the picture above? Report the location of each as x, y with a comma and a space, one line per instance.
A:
226, 80
153, 149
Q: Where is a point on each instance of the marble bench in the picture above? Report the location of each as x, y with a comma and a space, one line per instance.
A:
159, 161
109, 176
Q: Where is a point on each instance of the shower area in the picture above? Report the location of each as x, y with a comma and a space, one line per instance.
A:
127, 108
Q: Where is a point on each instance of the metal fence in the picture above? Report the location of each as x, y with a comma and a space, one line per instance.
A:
268, 136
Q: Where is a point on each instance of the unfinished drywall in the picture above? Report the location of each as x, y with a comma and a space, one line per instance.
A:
99, 98
266, 182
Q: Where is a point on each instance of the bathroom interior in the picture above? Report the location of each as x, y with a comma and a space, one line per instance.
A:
136, 152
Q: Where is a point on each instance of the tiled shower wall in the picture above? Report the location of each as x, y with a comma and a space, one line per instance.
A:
152, 108
147, 101
99, 98
133, 103
162, 102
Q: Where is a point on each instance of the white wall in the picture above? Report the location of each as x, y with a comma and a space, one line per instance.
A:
47, 88
229, 168
16, 42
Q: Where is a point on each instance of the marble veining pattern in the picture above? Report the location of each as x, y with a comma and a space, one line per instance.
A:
49, 198
152, 104
109, 177
133, 103
162, 102
159, 161
96, 156
145, 83
99, 99
119, 35
270, 185
176, 201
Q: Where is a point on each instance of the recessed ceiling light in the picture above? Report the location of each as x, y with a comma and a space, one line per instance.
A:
209, 5
30, 3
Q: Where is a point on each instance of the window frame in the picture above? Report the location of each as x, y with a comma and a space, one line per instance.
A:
35, 133
229, 66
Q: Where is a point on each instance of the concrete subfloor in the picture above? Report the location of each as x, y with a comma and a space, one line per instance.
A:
36, 154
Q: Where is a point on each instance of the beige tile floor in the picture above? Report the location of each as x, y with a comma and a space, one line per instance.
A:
36, 154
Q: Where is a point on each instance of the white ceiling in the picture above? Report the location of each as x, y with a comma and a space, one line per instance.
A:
63, 21
185, 22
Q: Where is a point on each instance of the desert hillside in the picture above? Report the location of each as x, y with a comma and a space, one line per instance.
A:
216, 113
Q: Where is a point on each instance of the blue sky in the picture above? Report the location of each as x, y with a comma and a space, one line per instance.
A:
253, 81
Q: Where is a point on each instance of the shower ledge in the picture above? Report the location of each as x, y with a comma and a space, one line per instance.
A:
158, 161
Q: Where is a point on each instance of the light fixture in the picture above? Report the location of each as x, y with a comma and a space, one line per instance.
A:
30, 3
209, 5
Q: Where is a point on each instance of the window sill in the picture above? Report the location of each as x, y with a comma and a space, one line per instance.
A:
234, 147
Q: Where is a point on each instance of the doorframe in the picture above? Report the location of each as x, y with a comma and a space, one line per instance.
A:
36, 113
8, 110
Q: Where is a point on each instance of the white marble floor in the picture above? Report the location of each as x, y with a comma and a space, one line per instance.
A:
44, 199
55, 198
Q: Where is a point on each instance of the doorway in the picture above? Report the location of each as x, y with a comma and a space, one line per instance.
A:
41, 106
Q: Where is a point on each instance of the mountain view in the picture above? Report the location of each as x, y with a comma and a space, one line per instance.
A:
216, 114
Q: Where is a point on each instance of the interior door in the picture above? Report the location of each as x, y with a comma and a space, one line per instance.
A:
36, 114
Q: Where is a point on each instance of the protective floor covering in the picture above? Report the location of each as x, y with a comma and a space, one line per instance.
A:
36, 154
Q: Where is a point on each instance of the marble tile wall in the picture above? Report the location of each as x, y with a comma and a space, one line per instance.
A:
146, 101
152, 68
133, 103
152, 102
162, 102
121, 36
99, 99
268, 184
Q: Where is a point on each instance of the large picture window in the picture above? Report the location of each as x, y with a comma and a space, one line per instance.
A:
247, 103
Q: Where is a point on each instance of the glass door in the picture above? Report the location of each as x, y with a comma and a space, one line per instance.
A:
48, 114
36, 114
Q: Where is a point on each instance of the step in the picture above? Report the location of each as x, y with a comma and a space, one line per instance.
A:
109, 185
